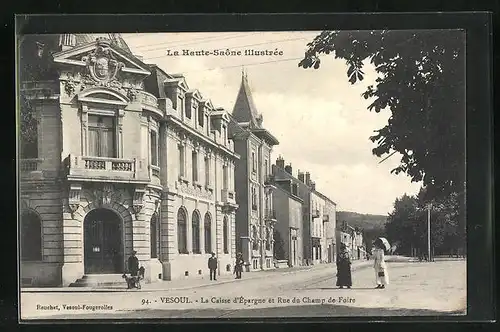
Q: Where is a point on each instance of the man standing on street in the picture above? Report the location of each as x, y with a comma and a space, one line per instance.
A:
212, 266
133, 264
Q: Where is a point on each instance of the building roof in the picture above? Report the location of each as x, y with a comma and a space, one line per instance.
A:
244, 108
246, 115
115, 39
324, 197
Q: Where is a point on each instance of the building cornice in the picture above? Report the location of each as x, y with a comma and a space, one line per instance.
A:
173, 120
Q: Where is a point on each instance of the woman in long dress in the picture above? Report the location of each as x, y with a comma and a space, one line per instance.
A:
379, 265
344, 268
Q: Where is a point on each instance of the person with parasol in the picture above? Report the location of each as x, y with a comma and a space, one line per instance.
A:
381, 273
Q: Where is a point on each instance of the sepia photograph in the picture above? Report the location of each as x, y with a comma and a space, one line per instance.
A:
242, 174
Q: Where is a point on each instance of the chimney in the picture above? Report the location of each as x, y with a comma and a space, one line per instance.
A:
288, 169
280, 162
308, 178
300, 176
313, 185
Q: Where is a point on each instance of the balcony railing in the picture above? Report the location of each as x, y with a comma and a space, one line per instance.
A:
269, 180
147, 99
228, 196
85, 167
30, 165
270, 214
326, 218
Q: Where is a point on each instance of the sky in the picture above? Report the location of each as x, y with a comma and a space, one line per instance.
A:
320, 119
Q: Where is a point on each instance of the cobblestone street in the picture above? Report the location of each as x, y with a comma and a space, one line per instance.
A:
415, 289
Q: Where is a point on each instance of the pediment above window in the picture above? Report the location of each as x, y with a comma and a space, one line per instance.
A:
207, 103
103, 95
177, 80
103, 60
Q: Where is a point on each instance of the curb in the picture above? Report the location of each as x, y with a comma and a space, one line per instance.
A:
258, 275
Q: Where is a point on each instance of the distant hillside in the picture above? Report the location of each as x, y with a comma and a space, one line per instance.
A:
373, 225
365, 221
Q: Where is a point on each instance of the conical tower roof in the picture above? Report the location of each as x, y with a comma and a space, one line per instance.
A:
244, 110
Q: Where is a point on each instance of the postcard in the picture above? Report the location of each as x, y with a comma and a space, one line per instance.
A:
242, 174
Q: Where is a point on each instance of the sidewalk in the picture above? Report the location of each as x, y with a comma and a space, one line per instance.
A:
183, 284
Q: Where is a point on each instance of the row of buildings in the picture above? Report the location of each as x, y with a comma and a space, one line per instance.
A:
118, 156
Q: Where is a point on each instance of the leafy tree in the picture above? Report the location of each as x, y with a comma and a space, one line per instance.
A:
421, 81
407, 225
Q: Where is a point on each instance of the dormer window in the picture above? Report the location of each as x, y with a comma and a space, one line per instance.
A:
180, 105
208, 125
188, 111
224, 135
201, 116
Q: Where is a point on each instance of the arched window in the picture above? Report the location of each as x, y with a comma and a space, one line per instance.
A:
208, 233
255, 238
225, 236
181, 232
31, 237
153, 232
196, 232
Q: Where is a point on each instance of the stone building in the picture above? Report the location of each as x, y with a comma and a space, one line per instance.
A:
256, 216
124, 157
314, 236
329, 222
352, 237
288, 230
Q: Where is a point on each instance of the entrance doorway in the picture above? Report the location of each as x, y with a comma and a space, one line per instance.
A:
103, 250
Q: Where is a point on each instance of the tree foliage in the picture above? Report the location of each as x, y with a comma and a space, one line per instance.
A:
421, 81
407, 224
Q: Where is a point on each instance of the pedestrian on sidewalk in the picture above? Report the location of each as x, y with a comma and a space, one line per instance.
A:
212, 266
344, 267
381, 273
133, 264
238, 266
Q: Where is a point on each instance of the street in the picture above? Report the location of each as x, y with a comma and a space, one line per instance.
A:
437, 288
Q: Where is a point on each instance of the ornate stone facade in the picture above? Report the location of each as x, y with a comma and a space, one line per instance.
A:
118, 186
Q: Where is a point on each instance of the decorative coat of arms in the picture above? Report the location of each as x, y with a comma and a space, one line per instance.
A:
102, 64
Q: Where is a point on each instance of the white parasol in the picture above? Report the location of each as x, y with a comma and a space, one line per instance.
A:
385, 243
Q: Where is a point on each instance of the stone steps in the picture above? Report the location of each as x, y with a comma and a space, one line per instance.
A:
100, 281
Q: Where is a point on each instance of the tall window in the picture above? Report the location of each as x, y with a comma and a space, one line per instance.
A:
29, 131
153, 232
225, 235
188, 111
268, 239
224, 177
207, 125
154, 148
181, 232
254, 198
194, 165
254, 163
196, 232
182, 161
180, 105
266, 170
101, 136
255, 238
207, 171
31, 237
224, 135
208, 233
201, 116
